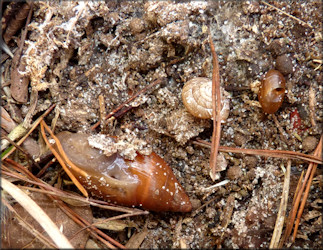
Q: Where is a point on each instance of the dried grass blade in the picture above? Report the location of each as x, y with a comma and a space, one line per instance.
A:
282, 209
27, 226
37, 213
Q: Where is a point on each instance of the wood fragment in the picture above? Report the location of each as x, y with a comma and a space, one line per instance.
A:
312, 104
135, 241
226, 217
281, 130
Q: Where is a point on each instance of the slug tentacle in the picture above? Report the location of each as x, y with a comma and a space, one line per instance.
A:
147, 181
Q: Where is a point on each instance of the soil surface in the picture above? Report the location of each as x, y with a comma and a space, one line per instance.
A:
77, 51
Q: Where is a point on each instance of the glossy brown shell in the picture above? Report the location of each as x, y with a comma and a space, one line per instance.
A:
272, 91
197, 98
146, 182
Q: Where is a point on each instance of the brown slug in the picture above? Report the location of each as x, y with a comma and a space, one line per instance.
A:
146, 182
197, 98
272, 91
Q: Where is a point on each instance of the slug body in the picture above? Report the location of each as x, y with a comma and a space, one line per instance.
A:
146, 182
272, 91
197, 98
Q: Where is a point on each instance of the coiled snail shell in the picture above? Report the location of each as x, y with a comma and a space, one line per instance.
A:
197, 98
147, 181
272, 91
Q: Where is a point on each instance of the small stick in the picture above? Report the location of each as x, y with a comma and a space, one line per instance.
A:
113, 112
216, 109
42, 171
22, 150
311, 104
289, 15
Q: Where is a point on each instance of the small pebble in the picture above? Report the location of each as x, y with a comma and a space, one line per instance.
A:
251, 161
309, 143
137, 25
284, 64
234, 172
196, 203
239, 139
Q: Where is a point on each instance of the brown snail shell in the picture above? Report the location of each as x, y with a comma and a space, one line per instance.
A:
272, 91
197, 98
147, 181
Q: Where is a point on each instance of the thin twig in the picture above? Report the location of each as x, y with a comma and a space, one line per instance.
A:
113, 112
216, 109
264, 152
118, 217
22, 150
289, 15
42, 171
282, 209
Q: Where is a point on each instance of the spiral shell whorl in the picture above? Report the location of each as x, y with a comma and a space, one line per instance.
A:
197, 98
